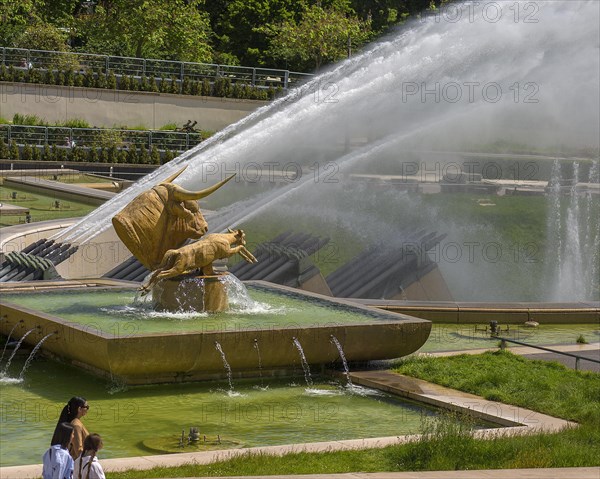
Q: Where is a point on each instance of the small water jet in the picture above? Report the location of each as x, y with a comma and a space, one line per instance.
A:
304, 362
335, 341
32, 354
259, 362
4, 371
8, 339
225, 365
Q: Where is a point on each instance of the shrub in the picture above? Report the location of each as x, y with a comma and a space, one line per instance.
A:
169, 155
30, 120
164, 86
153, 84
61, 154
54, 156
237, 91
78, 81
100, 80
113, 154
174, 85
144, 83
196, 88
49, 79
206, 88
154, 155
186, 86
70, 77
93, 155
13, 152
143, 156
27, 153
222, 87
125, 82
76, 123
131, 156
88, 79
106, 138
10, 74
34, 76
103, 155
60, 78
111, 80
169, 127
3, 149
78, 154
3, 73
37, 153
47, 153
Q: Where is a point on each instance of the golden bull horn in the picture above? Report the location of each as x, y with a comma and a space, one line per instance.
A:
175, 175
181, 194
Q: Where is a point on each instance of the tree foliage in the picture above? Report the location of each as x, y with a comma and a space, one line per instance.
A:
294, 34
167, 29
320, 35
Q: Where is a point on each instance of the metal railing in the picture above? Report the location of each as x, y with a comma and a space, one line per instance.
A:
577, 357
79, 62
98, 137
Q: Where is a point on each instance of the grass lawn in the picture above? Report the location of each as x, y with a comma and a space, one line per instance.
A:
542, 386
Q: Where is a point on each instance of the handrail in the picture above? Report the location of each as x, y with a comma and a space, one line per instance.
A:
520, 343
37, 135
254, 76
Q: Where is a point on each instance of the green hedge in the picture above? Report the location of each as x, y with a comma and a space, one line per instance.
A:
221, 87
137, 155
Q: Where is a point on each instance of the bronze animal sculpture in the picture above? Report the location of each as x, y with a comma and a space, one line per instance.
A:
200, 255
162, 219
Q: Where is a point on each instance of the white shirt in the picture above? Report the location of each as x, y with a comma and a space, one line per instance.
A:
95, 473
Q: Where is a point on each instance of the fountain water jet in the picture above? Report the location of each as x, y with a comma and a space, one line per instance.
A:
304, 362
372, 89
573, 231
335, 341
5, 370
8, 339
225, 365
32, 354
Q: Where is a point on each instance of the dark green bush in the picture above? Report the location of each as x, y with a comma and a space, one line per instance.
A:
3, 149
13, 152
111, 80
27, 153
125, 82
206, 88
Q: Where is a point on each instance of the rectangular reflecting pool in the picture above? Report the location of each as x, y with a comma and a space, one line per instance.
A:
113, 311
113, 334
143, 420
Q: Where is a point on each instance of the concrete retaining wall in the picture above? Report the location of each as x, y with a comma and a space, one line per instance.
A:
110, 108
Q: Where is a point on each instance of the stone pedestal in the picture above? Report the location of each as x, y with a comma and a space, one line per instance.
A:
191, 293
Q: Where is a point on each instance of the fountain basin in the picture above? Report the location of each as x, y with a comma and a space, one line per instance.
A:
142, 350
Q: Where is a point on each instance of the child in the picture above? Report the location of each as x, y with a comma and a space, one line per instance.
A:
58, 463
87, 465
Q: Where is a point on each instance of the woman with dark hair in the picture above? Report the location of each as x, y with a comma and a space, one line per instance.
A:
58, 463
76, 408
87, 465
